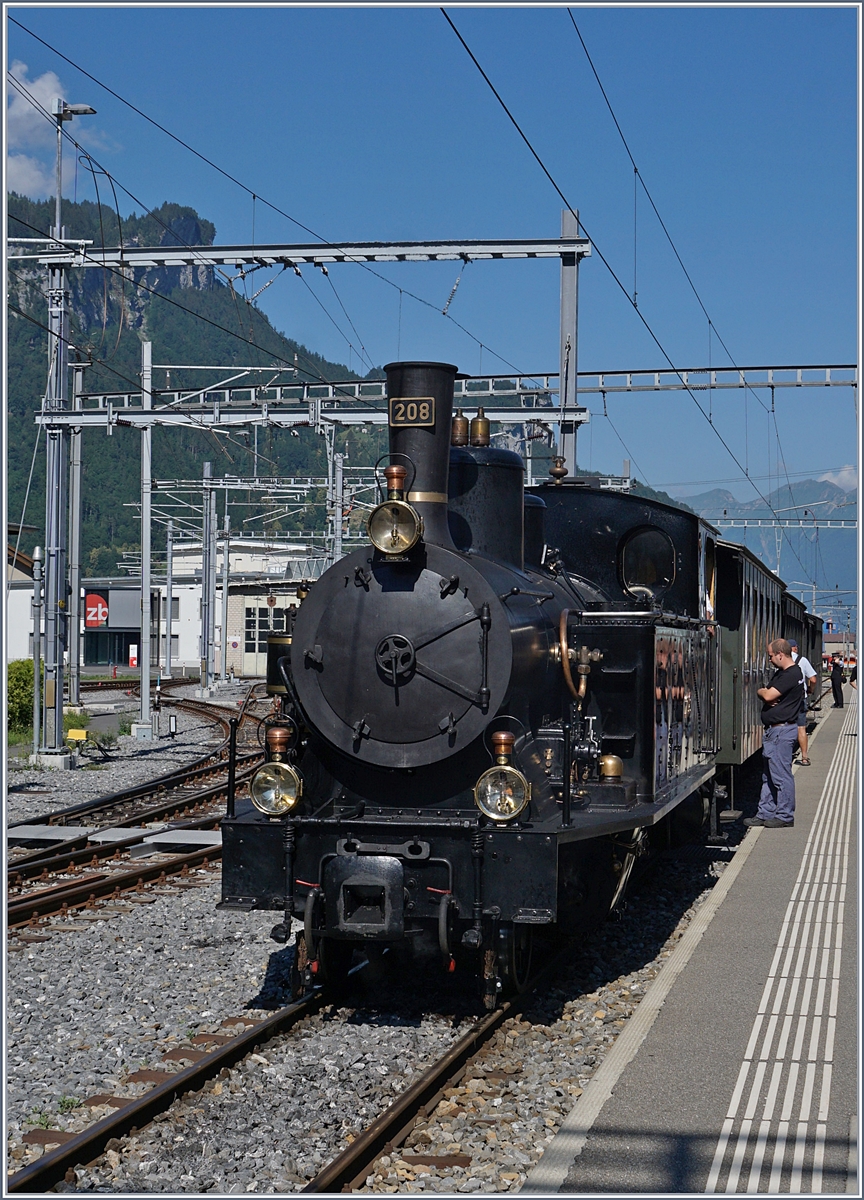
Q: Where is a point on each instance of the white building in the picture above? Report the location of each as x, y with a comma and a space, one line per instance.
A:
263, 580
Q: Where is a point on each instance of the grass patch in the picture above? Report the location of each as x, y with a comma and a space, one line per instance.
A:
75, 721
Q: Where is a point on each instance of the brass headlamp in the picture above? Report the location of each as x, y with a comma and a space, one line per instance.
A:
276, 787
502, 793
395, 526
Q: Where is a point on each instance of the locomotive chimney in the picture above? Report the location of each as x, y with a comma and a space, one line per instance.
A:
420, 411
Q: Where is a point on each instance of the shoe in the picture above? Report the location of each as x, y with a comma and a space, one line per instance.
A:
773, 823
805, 762
751, 821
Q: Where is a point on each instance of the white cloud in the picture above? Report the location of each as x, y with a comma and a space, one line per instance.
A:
27, 128
29, 177
31, 172
846, 478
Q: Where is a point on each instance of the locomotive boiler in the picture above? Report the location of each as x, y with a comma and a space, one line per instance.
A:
483, 714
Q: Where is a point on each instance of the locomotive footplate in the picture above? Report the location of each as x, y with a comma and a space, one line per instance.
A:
380, 880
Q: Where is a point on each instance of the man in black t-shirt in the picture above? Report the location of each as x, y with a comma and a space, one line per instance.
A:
781, 700
837, 681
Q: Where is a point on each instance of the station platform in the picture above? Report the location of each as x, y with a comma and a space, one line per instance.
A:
739, 1071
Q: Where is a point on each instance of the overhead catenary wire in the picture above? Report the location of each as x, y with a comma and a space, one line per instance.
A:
256, 196
195, 422
711, 325
712, 328
313, 372
627, 450
644, 186
197, 251
610, 269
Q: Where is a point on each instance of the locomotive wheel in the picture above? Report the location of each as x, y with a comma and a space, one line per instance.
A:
332, 958
446, 939
334, 962
516, 954
491, 984
299, 967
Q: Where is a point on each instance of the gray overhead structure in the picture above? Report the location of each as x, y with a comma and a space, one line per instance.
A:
268, 397
569, 249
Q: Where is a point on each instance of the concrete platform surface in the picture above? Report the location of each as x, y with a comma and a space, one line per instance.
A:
744, 1077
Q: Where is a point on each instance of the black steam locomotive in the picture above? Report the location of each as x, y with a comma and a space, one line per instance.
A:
489, 713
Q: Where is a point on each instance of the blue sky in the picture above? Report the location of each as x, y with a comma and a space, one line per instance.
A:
373, 124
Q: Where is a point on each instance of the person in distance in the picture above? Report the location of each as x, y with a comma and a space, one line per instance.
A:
809, 681
781, 703
837, 680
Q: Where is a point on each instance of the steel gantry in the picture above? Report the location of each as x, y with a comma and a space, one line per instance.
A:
273, 396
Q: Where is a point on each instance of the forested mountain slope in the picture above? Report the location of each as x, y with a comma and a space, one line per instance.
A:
190, 316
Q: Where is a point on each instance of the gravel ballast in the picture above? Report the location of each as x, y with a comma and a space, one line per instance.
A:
177, 967
32, 792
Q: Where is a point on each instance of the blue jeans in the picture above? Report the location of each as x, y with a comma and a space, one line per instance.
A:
777, 799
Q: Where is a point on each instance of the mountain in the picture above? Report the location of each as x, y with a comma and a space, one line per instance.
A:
191, 316
798, 555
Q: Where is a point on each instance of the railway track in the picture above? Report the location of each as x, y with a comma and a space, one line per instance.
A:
78, 872
483, 1067
346, 1170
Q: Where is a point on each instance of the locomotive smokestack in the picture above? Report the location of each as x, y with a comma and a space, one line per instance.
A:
420, 411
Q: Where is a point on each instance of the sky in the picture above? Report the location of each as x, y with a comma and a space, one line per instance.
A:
373, 124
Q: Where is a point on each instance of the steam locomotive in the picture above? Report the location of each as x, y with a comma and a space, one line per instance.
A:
488, 714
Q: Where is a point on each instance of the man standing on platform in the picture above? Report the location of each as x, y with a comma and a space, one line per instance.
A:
809, 673
781, 702
837, 681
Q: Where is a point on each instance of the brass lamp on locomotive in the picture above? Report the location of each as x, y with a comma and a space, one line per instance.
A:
472, 738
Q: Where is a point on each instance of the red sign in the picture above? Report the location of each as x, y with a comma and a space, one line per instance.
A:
133, 656
95, 611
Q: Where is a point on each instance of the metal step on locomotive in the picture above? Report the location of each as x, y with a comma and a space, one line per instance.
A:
487, 715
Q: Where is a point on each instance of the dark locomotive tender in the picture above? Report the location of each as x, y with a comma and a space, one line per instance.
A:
489, 713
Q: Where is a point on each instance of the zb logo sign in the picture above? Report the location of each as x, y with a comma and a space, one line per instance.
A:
95, 611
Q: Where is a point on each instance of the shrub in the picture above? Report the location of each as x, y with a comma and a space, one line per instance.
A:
74, 720
19, 676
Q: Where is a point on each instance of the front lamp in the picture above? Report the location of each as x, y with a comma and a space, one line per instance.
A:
502, 793
394, 527
276, 789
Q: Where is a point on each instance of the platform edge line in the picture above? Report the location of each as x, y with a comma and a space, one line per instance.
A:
554, 1165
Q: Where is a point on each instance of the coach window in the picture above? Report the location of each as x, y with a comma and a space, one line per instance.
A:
647, 564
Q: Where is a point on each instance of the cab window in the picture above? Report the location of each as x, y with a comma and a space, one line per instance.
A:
647, 564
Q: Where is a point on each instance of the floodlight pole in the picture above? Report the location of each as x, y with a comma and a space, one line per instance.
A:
211, 590
75, 542
169, 596
205, 579
56, 397
144, 729
37, 648
223, 674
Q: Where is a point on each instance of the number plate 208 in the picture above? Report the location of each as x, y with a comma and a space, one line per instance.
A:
412, 410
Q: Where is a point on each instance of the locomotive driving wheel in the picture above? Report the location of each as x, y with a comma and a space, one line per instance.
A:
335, 959
328, 960
516, 952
